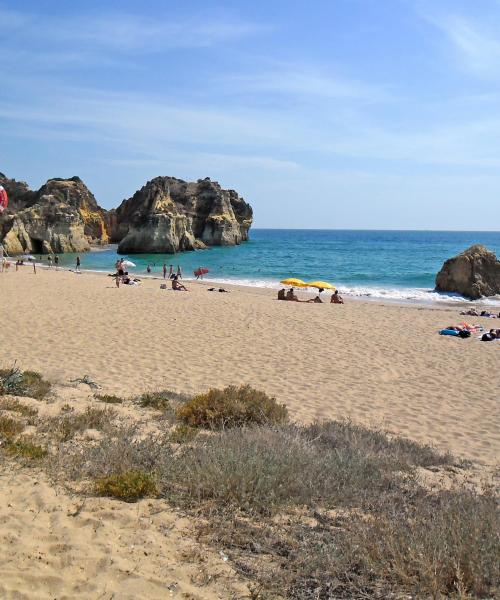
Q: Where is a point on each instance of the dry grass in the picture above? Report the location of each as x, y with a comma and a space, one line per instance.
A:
25, 448
183, 434
159, 399
15, 382
9, 428
68, 424
232, 407
13, 405
109, 398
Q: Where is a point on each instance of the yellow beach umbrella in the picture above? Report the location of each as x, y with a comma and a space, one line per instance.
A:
293, 282
321, 285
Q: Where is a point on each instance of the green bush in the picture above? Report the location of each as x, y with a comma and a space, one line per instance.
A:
128, 486
232, 407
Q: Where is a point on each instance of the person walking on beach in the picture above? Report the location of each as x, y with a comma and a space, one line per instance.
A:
78, 263
49, 260
179, 272
164, 271
171, 272
148, 268
56, 261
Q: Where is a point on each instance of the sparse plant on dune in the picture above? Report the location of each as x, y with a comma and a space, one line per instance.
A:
232, 407
15, 382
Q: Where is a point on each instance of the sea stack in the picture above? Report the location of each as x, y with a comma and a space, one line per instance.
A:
474, 273
169, 214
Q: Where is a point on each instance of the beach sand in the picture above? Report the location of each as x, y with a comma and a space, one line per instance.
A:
379, 365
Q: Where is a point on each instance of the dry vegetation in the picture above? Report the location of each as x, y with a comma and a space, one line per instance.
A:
326, 511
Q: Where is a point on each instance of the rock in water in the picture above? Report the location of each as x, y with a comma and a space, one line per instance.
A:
474, 273
170, 214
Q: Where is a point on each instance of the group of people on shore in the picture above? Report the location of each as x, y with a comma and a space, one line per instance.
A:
290, 295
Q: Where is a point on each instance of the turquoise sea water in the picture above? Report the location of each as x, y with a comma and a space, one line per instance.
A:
399, 265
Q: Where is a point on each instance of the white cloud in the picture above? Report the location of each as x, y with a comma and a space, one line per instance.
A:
476, 45
121, 32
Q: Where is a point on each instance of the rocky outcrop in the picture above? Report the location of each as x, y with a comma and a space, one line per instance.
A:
474, 273
62, 216
169, 214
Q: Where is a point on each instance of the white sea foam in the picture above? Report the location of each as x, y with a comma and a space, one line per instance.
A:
415, 295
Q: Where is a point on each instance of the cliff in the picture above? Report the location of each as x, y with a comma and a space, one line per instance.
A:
165, 216
170, 214
474, 273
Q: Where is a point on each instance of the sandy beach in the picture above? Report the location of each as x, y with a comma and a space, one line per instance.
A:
379, 365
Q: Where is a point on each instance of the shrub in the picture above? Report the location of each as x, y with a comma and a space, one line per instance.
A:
395, 452
23, 383
109, 398
15, 406
159, 400
25, 449
68, 424
232, 407
121, 450
182, 434
10, 427
260, 469
128, 486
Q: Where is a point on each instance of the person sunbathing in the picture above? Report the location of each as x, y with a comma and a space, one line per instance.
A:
282, 294
316, 300
177, 286
472, 312
336, 298
290, 295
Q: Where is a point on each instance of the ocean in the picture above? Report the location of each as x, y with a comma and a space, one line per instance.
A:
391, 265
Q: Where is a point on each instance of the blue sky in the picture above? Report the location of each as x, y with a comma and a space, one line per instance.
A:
324, 114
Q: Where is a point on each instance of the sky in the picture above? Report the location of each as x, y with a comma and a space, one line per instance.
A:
345, 114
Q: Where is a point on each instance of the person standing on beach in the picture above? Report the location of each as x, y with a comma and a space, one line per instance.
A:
148, 268
78, 263
56, 261
164, 271
171, 272
49, 260
179, 272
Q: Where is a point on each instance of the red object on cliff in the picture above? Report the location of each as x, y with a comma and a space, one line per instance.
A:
4, 199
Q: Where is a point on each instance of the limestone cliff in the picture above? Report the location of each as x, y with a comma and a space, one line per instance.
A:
169, 214
474, 273
165, 216
62, 216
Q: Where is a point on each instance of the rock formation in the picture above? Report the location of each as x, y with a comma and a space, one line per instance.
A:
62, 216
169, 214
165, 216
474, 273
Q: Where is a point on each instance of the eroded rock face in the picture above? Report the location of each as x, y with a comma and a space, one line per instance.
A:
168, 215
474, 273
62, 216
